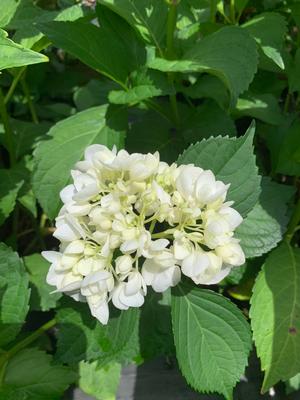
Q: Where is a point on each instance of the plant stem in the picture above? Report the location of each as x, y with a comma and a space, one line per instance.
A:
14, 84
29, 101
8, 133
213, 10
294, 221
170, 53
232, 11
32, 337
4, 358
152, 226
171, 26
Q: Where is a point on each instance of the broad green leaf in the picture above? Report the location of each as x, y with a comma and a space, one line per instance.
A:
294, 72
10, 184
269, 30
82, 337
145, 85
54, 111
275, 315
267, 82
8, 9
212, 339
230, 54
28, 15
208, 86
41, 294
235, 275
109, 53
27, 135
265, 225
295, 12
262, 106
15, 55
281, 141
25, 195
148, 17
94, 93
30, 373
25, 12
156, 336
100, 382
66, 143
134, 95
158, 135
232, 161
289, 151
240, 5
207, 120
293, 384
14, 294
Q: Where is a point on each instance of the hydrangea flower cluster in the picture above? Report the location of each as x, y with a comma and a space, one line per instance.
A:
130, 221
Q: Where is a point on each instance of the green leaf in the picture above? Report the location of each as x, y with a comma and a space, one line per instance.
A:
156, 336
265, 225
230, 54
207, 120
66, 143
148, 17
261, 106
295, 13
275, 315
208, 86
240, 5
232, 161
146, 84
158, 135
28, 16
94, 93
293, 72
293, 384
212, 339
113, 55
277, 138
82, 337
101, 383
289, 151
8, 9
30, 373
14, 294
10, 184
15, 55
27, 135
134, 95
38, 268
269, 29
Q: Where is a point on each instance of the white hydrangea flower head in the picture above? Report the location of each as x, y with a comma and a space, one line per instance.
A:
129, 221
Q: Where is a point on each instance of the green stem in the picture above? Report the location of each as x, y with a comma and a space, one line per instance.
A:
170, 53
4, 358
213, 10
29, 101
232, 11
8, 133
14, 84
152, 226
164, 234
171, 26
294, 221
